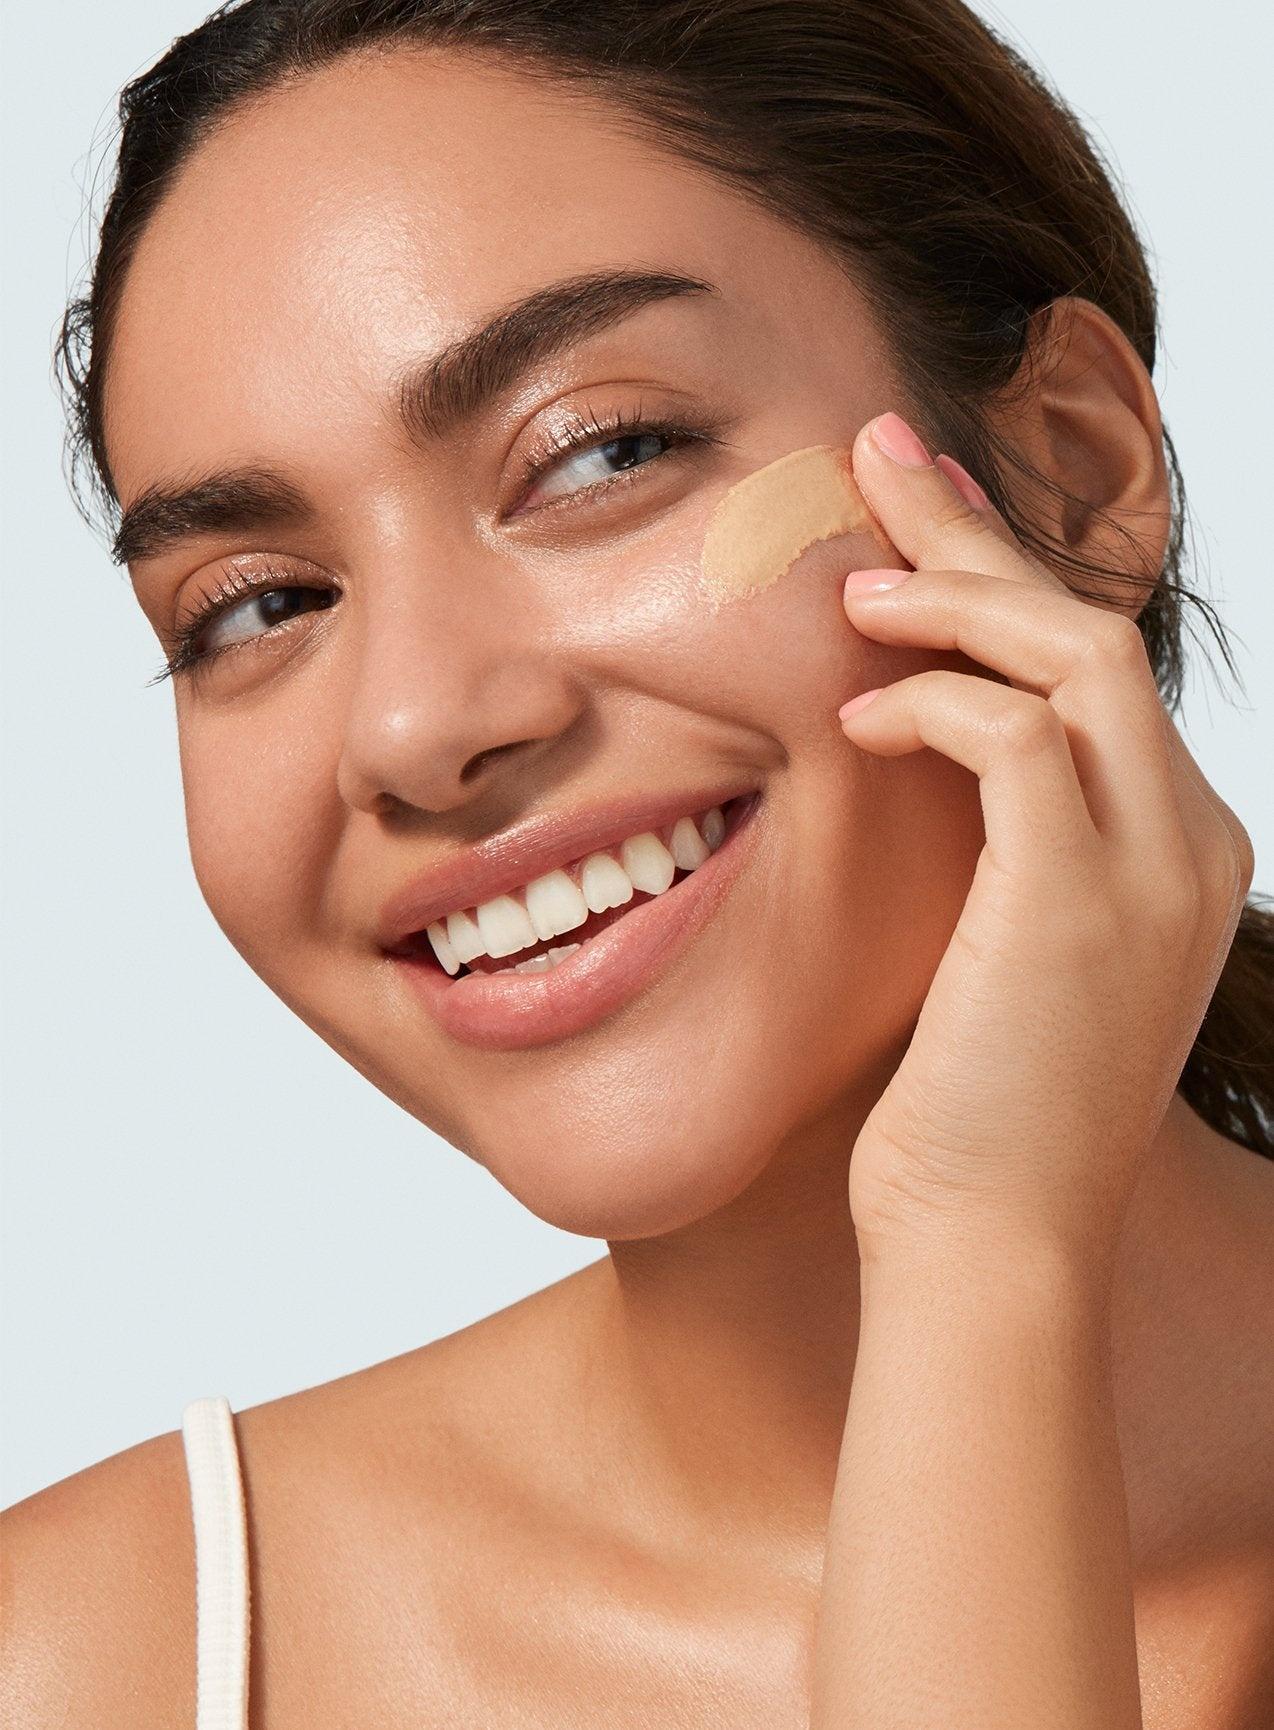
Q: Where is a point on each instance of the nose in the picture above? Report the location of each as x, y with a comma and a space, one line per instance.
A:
453, 679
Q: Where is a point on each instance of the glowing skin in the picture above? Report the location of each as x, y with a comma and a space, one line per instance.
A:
765, 522
495, 651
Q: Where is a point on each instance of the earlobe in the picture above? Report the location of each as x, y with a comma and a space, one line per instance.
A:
1087, 416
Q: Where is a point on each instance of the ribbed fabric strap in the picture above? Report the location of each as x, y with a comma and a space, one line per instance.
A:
221, 1565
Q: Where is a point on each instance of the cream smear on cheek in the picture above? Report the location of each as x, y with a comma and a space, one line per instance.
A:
765, 522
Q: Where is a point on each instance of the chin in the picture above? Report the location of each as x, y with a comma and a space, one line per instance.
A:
640, 1163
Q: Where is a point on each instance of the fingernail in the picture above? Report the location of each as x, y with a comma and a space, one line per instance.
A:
859, 702
898, 442
963, 482
867, 582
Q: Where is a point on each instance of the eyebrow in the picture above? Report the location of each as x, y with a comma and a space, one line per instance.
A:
433, 399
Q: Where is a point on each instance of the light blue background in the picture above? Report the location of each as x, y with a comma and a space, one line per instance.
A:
199, 1196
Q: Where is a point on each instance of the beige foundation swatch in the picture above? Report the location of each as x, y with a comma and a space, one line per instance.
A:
767, 520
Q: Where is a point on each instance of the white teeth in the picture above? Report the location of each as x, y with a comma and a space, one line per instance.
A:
555, 905
605, 882
688, 846
442, 948
649, 864
537, 964
464, 937
548, 961
505, 926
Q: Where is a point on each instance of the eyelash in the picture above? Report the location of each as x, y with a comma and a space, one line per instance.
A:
581, 432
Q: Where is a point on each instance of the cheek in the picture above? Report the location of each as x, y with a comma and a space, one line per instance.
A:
779, 659
776, 551
796, 652
765, 522
877, 853
778, 663
259, 815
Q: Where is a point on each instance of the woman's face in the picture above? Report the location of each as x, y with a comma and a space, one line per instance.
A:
465, 651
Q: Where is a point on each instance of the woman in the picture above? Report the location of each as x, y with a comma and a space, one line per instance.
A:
925, 1109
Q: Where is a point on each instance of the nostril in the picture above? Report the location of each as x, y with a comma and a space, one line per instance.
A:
477, 763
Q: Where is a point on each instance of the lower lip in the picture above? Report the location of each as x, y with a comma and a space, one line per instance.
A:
509, 1011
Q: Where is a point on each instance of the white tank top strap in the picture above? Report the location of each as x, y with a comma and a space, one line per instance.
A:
221, 1565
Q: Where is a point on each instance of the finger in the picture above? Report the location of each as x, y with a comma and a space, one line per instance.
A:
1033, 807
925, 515
1088, 661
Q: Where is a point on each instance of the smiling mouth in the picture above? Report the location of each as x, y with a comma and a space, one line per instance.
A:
568, 903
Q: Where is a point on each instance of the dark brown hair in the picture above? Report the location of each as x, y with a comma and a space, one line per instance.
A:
923, 151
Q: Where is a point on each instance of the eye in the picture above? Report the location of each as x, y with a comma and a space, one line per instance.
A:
587, 455
270, 608
245, 608
604, 462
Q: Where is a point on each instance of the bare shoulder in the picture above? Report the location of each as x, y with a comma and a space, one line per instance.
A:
433, 1424
97, 1598
376, 1504
97, 1572
391, 1513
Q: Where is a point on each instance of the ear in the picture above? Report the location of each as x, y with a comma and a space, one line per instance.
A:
1083, 410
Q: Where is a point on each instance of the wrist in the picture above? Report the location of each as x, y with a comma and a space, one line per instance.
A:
997, 1271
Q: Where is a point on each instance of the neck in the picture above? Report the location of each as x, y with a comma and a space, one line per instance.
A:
725, 1351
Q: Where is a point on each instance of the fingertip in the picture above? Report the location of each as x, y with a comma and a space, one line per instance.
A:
900, 442
859, 702
963, 482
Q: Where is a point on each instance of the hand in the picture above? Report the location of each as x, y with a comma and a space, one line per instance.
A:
1101, 910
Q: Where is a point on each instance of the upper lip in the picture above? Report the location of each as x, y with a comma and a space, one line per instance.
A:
531, 849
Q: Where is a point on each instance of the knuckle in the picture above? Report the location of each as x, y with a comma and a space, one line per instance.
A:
1115, 641
1025, 724
1246, 858
949, 511
952, 524
1235, 864
1239, 853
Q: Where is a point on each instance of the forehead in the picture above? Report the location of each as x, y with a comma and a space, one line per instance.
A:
336, 227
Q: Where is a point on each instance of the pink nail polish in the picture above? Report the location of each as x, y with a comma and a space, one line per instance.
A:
867, 582
899, 443
859, 702
963, 482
